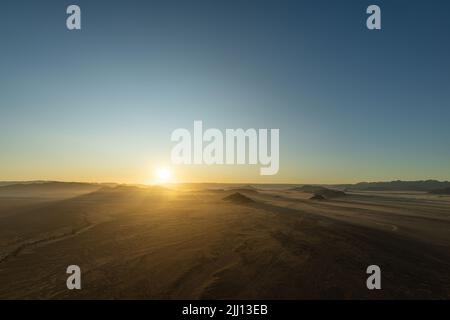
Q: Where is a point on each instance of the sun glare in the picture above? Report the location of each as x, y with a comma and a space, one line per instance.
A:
163, 175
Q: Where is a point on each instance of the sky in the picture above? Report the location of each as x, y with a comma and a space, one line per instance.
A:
100, 104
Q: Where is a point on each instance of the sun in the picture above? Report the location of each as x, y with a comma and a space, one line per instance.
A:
163, 175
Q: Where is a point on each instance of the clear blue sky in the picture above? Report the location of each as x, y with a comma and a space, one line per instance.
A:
100, 104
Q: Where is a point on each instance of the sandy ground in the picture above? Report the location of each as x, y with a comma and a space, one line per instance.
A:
163, 244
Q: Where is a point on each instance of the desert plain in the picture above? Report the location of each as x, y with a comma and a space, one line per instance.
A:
203, 241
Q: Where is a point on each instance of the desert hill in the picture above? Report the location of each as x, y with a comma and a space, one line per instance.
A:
238, 198
320, 192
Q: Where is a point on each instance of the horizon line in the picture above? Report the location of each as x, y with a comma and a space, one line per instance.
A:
206, 182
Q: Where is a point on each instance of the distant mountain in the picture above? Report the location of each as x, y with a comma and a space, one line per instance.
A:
398, 185
330, 193
249, 187
309, 188
441, 191
48, 189
6, 183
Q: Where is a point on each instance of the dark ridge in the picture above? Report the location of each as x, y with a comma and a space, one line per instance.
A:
238, 198
441, 191
317, 197
214, 190
330, 193
248, 186
244, 190
309, 188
